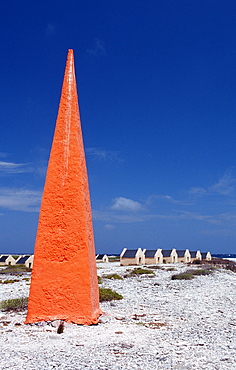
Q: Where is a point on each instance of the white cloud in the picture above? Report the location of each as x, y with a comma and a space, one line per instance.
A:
98, 48
219, 232
225, 186
102, 154
20, 199
198, 217
109, 227
197, 191
153, 198
125, 204
10, 167
108, 216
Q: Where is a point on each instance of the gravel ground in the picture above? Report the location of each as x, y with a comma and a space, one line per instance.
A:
160, 324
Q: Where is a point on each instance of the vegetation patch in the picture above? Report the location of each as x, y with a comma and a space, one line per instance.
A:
182, 276
222, 263
190, 274
202, 272
15, 270
218, 263
113, 276
108, 295
139, 271
16, 305
155, 267
171, 269
10, 281
99, 280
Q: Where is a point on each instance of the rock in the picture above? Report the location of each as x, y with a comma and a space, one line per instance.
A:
55, 323
104, 319
117, 317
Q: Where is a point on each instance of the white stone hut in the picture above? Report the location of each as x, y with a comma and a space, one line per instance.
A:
153, 256
206, 256
169, 255
102, 258
26, 260
7, 260
132, 257
195, 255
183, 255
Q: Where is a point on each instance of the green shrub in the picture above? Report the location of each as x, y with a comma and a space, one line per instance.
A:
141, 271
190, 274
113, 276
10, 281
17, 304
15, 270
155, 267
182, 276
99, 280
108, 295
202, 272
171, 269
197, 262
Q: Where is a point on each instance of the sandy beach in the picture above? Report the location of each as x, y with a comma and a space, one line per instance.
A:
159, 324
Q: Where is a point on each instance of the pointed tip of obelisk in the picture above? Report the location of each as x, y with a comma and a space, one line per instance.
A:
70, 53
69, 77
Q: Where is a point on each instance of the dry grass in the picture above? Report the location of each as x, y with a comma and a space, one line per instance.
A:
10, 281
15, 305
113, 276
139, 271
15, 270
190, 274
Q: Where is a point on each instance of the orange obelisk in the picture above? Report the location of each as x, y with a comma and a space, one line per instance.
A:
64, 279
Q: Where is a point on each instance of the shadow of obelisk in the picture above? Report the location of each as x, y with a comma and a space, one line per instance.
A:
64, 278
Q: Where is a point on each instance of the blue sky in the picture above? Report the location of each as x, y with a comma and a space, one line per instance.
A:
157, 91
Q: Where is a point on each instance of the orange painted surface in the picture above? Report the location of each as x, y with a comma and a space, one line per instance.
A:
64, 278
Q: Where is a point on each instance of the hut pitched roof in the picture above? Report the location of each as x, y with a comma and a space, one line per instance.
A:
193, 254
3, 258
181, 252
130, 253
22, 260
150, 253
166, 252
